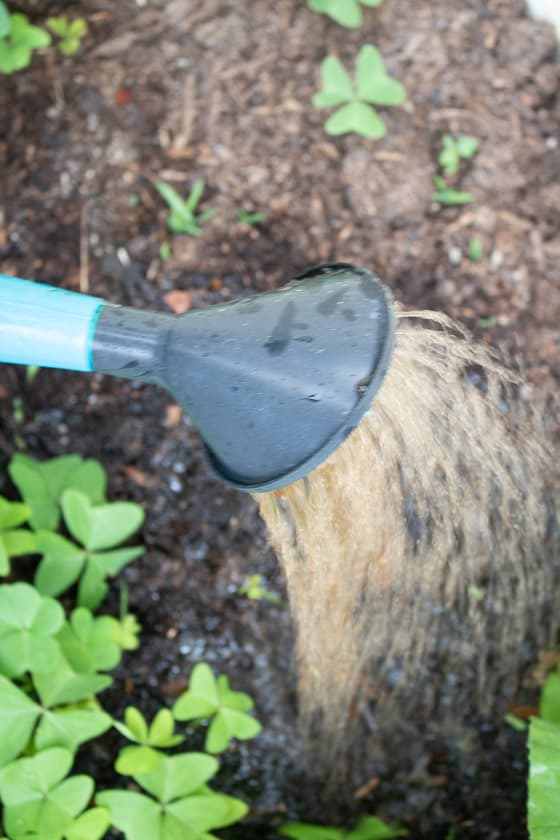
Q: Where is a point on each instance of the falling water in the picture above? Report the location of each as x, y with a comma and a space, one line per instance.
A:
419, 547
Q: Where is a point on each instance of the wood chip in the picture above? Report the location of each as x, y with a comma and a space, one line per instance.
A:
139, 477
173, 414
179, 301
367, 788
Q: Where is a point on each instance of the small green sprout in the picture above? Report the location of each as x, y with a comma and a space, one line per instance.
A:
372, 87
133, 200
98, 529
476, 251
449, 195
18, 40
31, 372
14, 541
18, 411
454, 150
346, 12
183, 217
180, 804
254, 590
211, 698
368, 828
476, 593
249, 218
69, 32
515, 722
165, 251
40, 799
160, 734
487, 323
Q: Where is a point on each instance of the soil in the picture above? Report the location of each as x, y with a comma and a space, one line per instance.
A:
182, 89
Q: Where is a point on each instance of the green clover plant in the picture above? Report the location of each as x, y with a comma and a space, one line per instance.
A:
346, 12
449, 195
544, 764
28, 623
160, 733
180, 805
368, 828
454, 150
14, 541
70, 33
18, 39
208, 697
184, 217
42, 802
98, 530
372, 87
254, 589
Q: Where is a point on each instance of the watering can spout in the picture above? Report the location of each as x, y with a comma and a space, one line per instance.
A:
274, 382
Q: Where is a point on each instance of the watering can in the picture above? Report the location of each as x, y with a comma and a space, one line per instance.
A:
274, 382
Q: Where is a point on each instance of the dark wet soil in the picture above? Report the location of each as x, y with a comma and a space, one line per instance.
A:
181, 89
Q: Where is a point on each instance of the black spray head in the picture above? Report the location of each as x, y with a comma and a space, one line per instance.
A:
274, 382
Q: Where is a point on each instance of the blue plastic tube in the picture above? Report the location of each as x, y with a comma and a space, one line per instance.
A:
45, 326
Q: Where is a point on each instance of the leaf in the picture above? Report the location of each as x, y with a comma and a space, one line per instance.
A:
344, 12
88, 642
27, 624
93, 586
372, 82
467, 146
19, 542
58, 25
102, 526
195, 195
448, 195
31, 483
161, 732
373, 828
358, 117
337, 85
136, 815
63, 685
307, 831
544, 780
70, 727
22, 33
61, 565
12, 514
202, 699
201, 813
230, 724
91, 825
126, 631
550, 699
136, 760
90, 478
38, 800
18, 715
4, 20
69, 46
177, 776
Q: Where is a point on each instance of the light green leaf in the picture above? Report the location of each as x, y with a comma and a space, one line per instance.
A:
12, 514
202, 699
373, 828
4, 20
161, 731
58, 25
307, 831
136, 724
450, 196
344, 12
90, 478
91, 825
195, 195
357, 117
18, 715
70, 727
137, 760
544, 780
87, 642
202, 813
373, 83
174, 201
136, 815
550, 699
22, 33
19, 542
467, 146
61, 565
102, 526
63, 685
337, 85
27, 623
93, 586
178, 775
31, 483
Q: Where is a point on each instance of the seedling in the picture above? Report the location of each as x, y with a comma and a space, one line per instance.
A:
249, 218
31, 372
69, 32
368, 828
14, 541
476, 251
254, 590
133, 200
454, 150
160, 734
165, 251
515, 722
18, 40
372, 87
487, 323
98, 529
180, 804
211, 698
449, 195
184, 217
92, 644
346, 12
40, 801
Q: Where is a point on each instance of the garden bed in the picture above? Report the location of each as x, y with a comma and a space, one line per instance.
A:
180, 90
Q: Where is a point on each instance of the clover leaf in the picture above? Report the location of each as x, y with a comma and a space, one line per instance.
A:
28, 624
69, 32
18, 716
71, 726
62, 684
346, 12
39, 800
448, 195
454, 150
544, 779
88, 642
182, 806
19, 40
208, 697
372, 87
41, 484
97, 528
143, 759
368, 828
14, 541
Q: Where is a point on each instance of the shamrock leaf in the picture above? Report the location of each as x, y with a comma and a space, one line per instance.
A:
544, 779
448, 195
182, 807
28, 624
550, 698
97, 527
70, 726
88, 642
18, 42
18, 716
38, 799
373, 87
143, 759
208, 697
346, 12
91, 825
368, 828
453, 150
61, 684
41, 484
14, 541
69, 32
